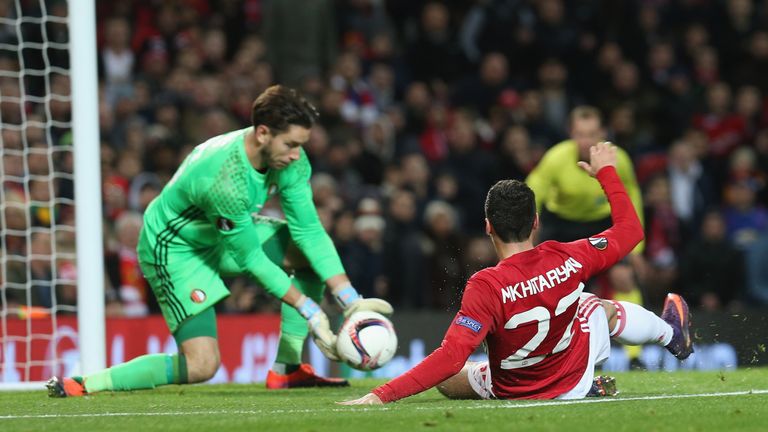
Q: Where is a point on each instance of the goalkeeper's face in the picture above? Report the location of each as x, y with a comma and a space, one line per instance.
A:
284, 148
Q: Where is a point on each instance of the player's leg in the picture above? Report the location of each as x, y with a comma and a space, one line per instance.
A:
631, 324
293, 327
144, 372
197, 339
197, 361
590, 310
188, 311
472, 382
288, 371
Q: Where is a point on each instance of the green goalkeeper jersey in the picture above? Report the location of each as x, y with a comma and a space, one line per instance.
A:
210, 204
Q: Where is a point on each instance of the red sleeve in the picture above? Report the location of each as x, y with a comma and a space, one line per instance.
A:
467, 330
608, 247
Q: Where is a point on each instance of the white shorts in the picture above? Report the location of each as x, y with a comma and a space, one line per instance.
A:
592, 318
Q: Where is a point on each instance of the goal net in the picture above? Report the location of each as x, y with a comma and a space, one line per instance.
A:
49, 132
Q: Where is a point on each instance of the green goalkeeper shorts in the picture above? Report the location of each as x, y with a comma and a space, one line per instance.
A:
187, 282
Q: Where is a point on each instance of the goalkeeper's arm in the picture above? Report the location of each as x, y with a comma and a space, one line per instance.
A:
310, 237
351, 301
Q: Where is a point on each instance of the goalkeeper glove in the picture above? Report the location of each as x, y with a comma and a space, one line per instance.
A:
319, 327
351, 301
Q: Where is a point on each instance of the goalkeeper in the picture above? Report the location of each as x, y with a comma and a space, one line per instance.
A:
205, 224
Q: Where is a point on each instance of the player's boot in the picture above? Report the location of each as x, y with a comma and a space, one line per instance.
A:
305, 376
64, 387
676, 315
603, 385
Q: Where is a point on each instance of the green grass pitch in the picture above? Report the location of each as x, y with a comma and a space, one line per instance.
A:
648, 401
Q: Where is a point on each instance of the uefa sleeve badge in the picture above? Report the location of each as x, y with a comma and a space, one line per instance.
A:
599, 243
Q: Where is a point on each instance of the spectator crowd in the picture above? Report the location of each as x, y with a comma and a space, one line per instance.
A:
423, 106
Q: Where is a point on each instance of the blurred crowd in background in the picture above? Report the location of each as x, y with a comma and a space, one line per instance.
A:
424, 105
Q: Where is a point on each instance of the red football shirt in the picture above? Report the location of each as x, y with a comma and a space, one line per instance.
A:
525, 309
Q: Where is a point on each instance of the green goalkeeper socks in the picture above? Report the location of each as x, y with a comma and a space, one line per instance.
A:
145, 372
293, 327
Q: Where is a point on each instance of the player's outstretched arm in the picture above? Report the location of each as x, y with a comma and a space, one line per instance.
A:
459, 343
611, 245
313, 241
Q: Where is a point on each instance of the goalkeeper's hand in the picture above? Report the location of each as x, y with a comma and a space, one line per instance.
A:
319, 327
322, 335
351, 301
371, 304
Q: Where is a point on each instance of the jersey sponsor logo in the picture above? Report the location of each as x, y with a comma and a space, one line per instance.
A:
538, 283
225, 224
198, 295
600, 243
468, 323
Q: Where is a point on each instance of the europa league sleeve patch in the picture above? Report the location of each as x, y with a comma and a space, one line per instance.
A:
225, 224
468, 323
599, 243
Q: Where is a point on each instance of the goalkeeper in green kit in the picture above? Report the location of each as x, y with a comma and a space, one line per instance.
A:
205, 224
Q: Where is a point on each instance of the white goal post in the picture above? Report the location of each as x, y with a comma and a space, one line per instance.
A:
31, 98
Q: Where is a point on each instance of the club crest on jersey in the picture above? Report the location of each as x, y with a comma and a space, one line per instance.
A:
198, 295
225, 224
468, 323
599, 243
272, 189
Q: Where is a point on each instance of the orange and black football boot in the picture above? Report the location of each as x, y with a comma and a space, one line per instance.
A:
305, 376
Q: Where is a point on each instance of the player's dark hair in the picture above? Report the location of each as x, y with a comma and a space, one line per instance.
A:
585, 112
510, 207
279, 107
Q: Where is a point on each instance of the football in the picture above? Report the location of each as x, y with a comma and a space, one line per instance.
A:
367, 341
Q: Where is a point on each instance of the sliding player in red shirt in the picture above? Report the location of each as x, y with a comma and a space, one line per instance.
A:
544, 334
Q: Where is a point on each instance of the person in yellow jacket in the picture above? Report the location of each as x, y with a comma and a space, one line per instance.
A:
572, 204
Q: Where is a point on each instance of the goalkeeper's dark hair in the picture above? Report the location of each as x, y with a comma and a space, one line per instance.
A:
278, 107
510, 207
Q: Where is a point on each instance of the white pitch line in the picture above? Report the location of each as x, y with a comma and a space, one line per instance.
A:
352, 409
509, 405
